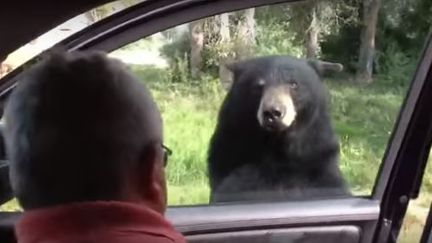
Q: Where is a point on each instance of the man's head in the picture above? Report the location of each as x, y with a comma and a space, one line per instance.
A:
80, 127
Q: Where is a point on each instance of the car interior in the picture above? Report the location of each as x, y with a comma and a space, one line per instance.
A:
371, 217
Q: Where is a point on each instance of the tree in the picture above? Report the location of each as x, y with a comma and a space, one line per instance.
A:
313, 21
239, 45
225, 38
196, 44
312, 44
367, 45
245, 34
306, 18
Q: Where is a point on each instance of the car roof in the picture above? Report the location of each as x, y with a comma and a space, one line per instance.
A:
22, 21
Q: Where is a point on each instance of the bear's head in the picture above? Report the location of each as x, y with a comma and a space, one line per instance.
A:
280, 90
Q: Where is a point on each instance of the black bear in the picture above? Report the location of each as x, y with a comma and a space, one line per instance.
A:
274, 137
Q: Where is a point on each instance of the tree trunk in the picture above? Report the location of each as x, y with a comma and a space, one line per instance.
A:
196, 43
224, 30
225, 38
246, 34
367, 46
312, 35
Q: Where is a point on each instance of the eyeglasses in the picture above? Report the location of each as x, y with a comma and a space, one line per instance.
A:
167, 153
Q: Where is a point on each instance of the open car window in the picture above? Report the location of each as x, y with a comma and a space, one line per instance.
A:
187, 69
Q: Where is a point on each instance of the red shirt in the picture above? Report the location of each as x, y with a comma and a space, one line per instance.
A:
96, 222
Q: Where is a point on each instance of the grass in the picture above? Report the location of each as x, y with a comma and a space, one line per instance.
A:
189, 113
414, 221
363, 117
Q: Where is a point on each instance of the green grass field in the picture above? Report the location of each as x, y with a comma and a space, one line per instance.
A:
363, 117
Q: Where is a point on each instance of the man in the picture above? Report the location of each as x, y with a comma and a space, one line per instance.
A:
87, 161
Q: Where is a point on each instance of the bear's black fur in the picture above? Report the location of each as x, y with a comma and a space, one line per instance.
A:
248, 160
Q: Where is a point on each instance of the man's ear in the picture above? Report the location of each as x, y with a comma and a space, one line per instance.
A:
323, 68
149, 180
153, 178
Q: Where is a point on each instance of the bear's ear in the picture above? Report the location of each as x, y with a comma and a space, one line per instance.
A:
236, 69
322, 67
233, 67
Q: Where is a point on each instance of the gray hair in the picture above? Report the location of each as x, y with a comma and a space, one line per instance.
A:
73, 125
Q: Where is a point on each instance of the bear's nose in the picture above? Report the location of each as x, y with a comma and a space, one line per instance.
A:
273, 114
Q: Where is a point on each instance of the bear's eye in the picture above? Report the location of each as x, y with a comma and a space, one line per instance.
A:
292, 84
261, 82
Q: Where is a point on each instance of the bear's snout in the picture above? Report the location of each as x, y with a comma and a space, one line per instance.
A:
276, 111
273, 114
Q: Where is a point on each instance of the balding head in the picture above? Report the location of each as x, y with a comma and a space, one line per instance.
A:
76, 125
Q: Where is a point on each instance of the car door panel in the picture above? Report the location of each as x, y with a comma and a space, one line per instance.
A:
320, 220
327, 234
264, 215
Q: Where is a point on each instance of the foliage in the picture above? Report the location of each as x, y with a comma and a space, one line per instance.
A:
215, 49
330, 16
150, 73
214, 52
176, 48
407, 22
338, 47
177, 52
272, 33
179, 71
403, 28
395, 65
142, 44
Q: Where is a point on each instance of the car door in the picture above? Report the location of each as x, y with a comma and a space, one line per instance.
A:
374, 216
